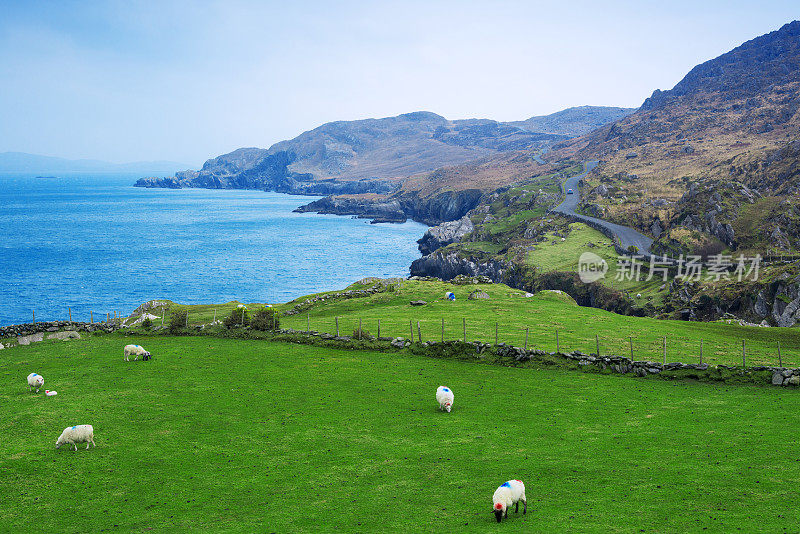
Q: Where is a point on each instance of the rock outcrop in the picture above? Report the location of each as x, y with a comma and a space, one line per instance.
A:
444, 234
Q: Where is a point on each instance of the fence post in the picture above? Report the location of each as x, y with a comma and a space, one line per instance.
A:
308, 321
495, 333
379, 328
34, 316
108, 317
442, 329
162, 315
526, 338
70, 314
665, 349
780, 362
597, 344
701, 351
214, 321
744, 356
464, 322
411, 327
337, 326
419, 333
187, 318
359, 328
558, 348
91, 318
630, 339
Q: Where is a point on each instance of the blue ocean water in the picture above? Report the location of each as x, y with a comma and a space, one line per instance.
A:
95, 243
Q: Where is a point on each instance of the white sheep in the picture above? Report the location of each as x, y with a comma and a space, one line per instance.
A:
444, 396
35, 381
76, 434
508, 494
135, 351
638, 295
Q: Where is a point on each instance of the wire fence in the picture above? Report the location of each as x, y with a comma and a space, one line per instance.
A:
669, 347
767, 348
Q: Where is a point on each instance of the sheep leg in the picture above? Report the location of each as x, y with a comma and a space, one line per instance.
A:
93, 443
76, 447
524, 506
516, 510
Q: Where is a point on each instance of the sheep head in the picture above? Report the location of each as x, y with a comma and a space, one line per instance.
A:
498, 511
448, 406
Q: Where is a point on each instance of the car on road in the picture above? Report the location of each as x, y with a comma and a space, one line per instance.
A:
570, 191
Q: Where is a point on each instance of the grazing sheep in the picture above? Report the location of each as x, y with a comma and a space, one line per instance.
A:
35, 381
76, 434
135, 351
444, 396
508, 494
638, 295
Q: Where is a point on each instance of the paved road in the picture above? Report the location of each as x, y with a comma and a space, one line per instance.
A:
627, 236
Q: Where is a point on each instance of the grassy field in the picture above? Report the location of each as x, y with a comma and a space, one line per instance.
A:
542, 314
232, 435
556, 255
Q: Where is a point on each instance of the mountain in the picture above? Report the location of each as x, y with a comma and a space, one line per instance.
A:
375, 155
574, 122
711, 166
21, 162
711, 163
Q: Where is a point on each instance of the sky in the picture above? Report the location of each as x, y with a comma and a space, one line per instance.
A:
187, 81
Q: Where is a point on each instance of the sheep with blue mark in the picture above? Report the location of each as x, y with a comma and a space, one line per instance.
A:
35, 381
444, 396
72, 435
135, 351
508, 494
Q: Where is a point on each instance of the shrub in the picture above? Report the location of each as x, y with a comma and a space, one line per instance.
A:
237, 317
147, 324
177, 320
265, 318
364, 334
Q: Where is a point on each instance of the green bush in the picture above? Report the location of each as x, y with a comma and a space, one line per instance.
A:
363, 334
177, 320
237, 317
147, 324
265, 319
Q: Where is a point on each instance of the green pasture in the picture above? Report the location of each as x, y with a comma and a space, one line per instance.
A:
255, 436
514, 314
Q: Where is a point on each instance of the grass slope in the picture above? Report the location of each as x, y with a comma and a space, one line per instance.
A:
231, 435
542, 315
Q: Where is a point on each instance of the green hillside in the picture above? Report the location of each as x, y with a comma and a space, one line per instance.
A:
245, 436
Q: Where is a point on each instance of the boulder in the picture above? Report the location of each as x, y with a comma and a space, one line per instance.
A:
399, 342
478, 294
65, 335
656, 229
777, 378
33, 338
418, 303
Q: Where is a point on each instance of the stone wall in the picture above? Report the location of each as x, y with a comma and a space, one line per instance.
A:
28, 329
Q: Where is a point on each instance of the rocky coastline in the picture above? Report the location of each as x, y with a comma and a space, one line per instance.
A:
399, 207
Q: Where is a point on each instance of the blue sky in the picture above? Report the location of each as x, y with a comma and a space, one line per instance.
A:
186, 81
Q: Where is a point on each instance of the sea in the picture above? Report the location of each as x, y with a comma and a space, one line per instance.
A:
94, 243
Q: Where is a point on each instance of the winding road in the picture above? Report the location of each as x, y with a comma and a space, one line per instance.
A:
627, 236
